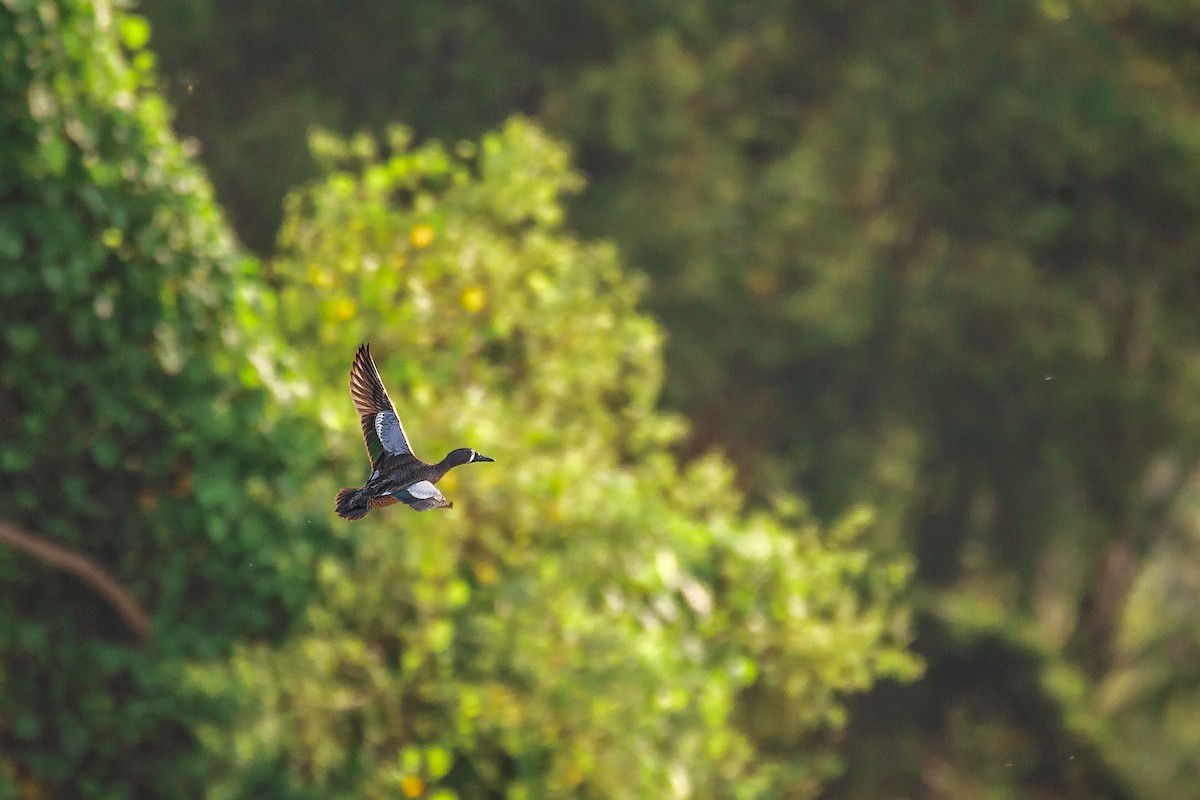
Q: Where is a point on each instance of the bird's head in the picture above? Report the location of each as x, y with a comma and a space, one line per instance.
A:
463, 455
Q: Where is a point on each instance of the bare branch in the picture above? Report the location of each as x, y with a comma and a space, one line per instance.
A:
82, 567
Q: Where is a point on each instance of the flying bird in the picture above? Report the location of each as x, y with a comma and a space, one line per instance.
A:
397, 475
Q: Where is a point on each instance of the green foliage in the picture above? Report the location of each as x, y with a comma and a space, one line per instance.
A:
451, 70
973, 268
591, 619
131, 428
938, 256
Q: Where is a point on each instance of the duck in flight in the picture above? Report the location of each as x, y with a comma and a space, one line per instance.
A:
397, 476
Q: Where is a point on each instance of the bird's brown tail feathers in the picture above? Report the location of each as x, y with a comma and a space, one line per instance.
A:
351, 504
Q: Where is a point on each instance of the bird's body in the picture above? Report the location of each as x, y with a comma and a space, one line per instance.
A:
397, 475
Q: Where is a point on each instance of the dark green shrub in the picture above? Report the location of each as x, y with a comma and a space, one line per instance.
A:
133, 428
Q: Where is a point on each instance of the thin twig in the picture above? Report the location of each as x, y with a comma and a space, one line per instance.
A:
82, 567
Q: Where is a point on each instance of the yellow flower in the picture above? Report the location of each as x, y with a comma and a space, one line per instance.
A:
319, 276
421, 236
573, 775
344, 309
1056, 9
474, 298
486, 573
412, 786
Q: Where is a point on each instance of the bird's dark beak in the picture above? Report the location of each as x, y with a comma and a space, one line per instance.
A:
481, 457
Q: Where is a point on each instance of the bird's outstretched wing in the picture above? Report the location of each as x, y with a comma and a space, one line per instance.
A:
381, 426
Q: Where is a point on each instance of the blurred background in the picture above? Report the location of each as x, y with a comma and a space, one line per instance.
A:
841, 364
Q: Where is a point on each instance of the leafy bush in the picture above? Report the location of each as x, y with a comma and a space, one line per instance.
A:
591, 619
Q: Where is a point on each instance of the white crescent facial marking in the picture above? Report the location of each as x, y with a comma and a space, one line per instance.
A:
472, 458
423, 490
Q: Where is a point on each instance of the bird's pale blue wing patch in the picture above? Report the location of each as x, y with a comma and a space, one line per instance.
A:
391, 433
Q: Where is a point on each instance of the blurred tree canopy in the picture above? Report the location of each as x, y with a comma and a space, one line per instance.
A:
594, 619
939, 257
